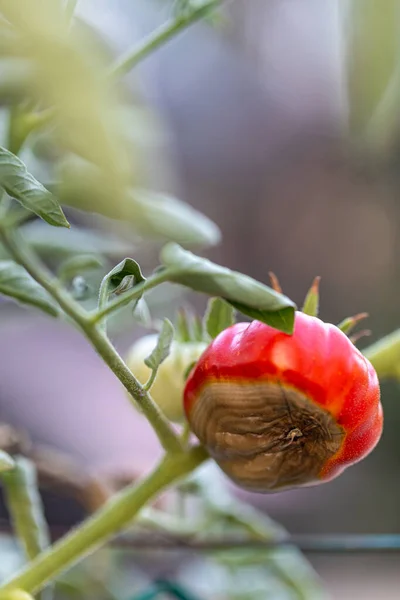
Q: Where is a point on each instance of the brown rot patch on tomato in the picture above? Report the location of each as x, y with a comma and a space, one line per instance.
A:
264, 435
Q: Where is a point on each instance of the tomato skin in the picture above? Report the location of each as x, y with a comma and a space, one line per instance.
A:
318, 360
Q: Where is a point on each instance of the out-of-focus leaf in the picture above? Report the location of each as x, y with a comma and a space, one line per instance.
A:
151, 214
25, 506
15, 282
247, 295
62, 242
164, 217
162, 349
219, 316
16, 75
76, 265
6, 461
26, 511
373, 66
70, 77
18, 183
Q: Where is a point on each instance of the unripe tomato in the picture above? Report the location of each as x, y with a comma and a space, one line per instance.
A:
278, 411
167, 390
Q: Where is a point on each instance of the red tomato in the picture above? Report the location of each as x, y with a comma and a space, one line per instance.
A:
278, 411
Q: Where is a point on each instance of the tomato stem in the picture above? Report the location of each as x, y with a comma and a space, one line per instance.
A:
25, 257
105, 523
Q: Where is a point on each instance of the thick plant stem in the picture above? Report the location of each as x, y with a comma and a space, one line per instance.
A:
385, 356
159, 37
99, 340
108, 521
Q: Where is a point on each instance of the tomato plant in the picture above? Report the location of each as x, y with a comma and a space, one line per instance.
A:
278, 410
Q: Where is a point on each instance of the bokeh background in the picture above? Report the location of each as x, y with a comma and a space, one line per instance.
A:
249, 123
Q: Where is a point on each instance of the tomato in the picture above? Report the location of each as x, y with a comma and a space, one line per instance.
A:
167, 389
277, 411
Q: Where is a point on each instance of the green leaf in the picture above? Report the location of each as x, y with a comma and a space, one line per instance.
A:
21, 185
6, 461
122, 277
76, 265
311, 302
219, 316
197, 329
247, 295
183, 333
17, 283
62, 243
151, 214
162, 349
372, 40
164, 217
124, 269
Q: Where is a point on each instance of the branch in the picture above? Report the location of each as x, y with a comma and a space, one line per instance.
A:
22, 254
159, 37
104, 524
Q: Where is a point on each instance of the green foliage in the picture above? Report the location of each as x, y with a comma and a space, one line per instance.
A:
311, 302
162, 349
373, 69
244, 293
62, 243
150, 214
25, 506
121, 278
6, 461
21, 185
218, 317
73, 121
76, 265
17, 283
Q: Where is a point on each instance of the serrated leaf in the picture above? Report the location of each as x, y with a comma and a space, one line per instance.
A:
219, 316
162, 349
6, 461
17, 283
247, 295
21, 185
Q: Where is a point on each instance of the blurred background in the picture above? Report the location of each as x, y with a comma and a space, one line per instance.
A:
279, 122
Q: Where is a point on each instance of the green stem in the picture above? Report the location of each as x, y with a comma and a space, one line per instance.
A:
25, 507
150, 380
22, 254
26, 511
159, 37
108, 521
385, 355
161, 426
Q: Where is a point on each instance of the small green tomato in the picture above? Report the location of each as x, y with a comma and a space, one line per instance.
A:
167, 389
16, 594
